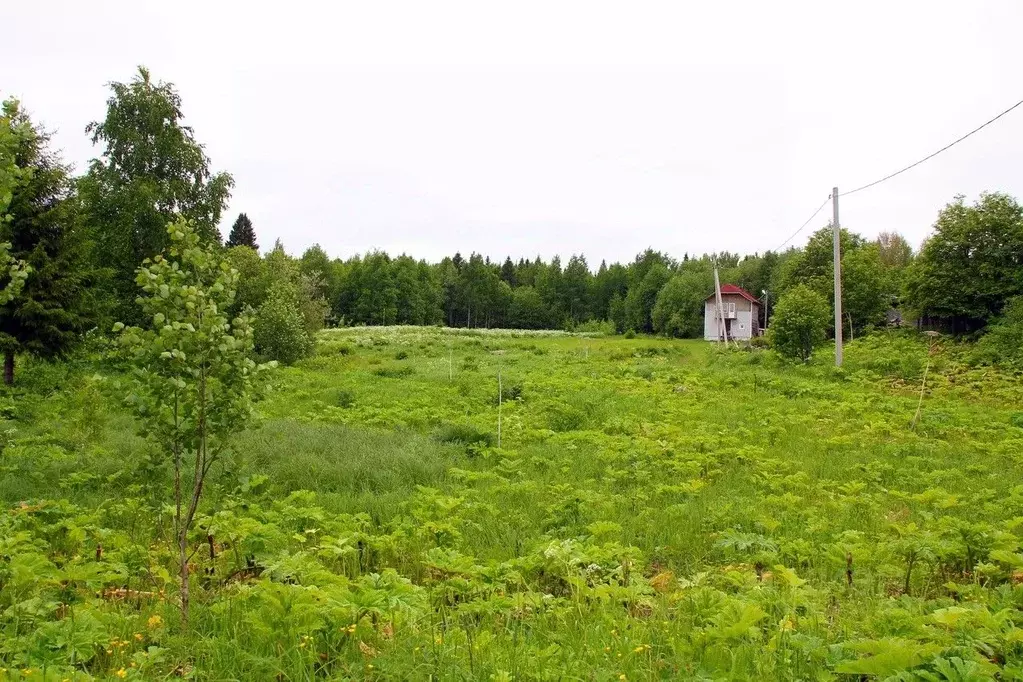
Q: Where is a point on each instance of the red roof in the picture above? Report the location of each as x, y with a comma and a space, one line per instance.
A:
736, 291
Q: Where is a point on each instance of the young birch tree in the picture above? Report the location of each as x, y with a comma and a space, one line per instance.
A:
195, 379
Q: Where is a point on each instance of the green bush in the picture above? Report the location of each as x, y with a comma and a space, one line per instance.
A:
345, 398
800, 322
279, 330
509, 392
1002, 344
630, 334
759, 342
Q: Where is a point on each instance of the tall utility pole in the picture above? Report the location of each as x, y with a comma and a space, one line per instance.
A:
838, 278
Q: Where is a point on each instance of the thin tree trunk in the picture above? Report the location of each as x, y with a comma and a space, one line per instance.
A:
182, 533
183, 558
9, 368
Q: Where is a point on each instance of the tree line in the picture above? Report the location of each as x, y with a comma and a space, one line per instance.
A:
71, 248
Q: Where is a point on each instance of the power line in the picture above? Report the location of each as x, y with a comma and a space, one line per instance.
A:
898, 172
807, 222
931, 156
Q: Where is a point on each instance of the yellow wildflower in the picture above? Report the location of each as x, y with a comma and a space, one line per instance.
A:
154, 622
122, 673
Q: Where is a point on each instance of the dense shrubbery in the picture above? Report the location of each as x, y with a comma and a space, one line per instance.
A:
280, 330
800, 323
1003, 341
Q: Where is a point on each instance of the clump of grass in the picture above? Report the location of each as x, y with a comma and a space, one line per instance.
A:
651, 351
401, 355
644, 372
562, 418
510, 391
392, 372
463, 434
345, 398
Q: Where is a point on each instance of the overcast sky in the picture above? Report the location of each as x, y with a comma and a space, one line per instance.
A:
528, 128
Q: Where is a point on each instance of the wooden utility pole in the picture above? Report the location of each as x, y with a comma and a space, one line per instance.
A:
721, 309
838, 278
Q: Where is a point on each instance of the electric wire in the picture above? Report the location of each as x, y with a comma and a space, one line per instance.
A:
805, 223
931, 156
898, 172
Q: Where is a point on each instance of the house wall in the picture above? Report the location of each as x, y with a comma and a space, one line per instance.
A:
743, 327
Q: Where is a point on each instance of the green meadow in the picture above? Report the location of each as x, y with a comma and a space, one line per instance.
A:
435, 504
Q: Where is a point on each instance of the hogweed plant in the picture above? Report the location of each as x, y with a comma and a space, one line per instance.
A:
195, 377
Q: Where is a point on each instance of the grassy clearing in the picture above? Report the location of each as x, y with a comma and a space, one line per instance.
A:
657, 510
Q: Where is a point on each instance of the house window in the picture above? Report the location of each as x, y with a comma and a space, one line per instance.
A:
727, 308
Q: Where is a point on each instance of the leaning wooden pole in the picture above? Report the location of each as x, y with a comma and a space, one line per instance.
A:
721, 308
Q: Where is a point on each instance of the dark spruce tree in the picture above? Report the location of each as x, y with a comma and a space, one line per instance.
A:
53, 309
242, 233
508, 272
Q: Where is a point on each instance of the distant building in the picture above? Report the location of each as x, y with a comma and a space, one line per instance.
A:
741, 312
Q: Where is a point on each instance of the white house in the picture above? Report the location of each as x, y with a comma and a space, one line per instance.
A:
741, 312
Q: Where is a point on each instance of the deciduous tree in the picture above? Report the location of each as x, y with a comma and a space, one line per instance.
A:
972, 264
679, 307
894, 250
152, 171
800, 322
195, 379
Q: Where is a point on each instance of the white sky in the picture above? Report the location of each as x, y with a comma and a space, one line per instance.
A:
528, 128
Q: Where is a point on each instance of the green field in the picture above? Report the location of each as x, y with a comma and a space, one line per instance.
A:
656, 509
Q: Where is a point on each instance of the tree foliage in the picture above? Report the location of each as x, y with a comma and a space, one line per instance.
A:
893, 250
972, 264
242, 233
152, 171
195, 379
679, 308
14, 129
1002, 343
642, 295
280, 328
800, 322
13, 132
865, 293
47, 244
